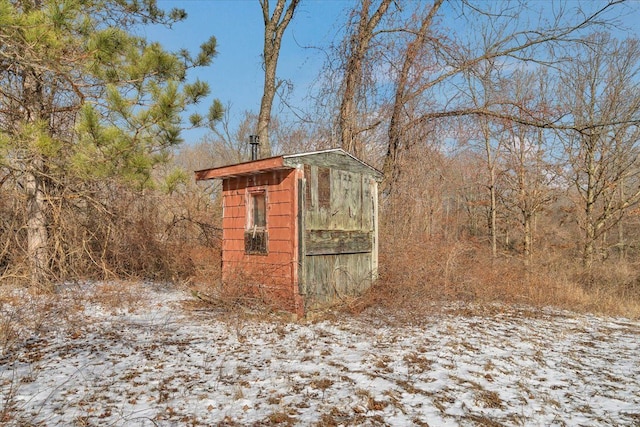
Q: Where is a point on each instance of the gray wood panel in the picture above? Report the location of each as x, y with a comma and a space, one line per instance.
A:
330, 278
337, 221
325, 242
338, 200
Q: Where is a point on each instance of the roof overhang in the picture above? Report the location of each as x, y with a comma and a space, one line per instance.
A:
290, 161
243, 169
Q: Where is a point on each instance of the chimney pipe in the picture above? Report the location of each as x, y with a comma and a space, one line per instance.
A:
254, 141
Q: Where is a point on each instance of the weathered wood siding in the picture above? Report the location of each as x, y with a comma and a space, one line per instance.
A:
337, 200
332, 277
339, 229
335, 242
272, 276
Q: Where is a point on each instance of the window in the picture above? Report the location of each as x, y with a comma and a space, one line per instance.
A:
259, 210
255, 236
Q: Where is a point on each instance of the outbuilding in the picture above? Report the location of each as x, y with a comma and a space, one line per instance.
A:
300, 230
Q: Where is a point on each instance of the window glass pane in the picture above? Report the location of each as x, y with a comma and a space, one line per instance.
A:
259, 210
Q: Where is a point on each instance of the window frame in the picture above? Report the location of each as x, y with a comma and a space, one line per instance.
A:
256, 237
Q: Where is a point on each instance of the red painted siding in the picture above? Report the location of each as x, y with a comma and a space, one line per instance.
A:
272, 276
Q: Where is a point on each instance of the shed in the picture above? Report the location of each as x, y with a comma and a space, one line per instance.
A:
299, 230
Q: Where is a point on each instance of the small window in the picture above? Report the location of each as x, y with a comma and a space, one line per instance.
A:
256, 239
259, 210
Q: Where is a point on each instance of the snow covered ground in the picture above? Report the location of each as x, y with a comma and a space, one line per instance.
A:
150, 359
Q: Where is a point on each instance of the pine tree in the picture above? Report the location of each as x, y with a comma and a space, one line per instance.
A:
83, 98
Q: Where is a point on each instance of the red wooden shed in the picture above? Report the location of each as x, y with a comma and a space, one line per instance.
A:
300, 230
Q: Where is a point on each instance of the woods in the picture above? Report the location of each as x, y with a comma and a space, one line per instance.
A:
86, 109
507, 132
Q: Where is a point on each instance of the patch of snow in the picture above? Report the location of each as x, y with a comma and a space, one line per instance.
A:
153, 363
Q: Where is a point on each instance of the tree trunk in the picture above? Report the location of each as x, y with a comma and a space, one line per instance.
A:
590, 233
358, 46
390, 168
589, 207
264, 117
528, 239
34, 188
37, 236
589, 246
492, 214
491, 168
274, 27
525, 204
622, 250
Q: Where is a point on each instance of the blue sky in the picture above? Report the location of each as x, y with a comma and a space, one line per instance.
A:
236, 74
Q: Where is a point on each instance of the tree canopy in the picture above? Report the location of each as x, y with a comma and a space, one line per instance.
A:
81, 90
84, 97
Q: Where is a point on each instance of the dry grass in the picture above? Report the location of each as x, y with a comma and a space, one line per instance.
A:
116, 295
246, 293
417, 276
26, 314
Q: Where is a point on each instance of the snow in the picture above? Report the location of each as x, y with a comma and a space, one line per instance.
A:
157, 359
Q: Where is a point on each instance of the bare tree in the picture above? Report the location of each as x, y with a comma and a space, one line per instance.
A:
231, 145
498, 40
274, 26
483, 89
602, 95
358, 46
403, 87
529, 176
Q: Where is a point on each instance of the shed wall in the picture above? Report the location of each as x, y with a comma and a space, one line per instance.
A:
340, 232
271, 276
